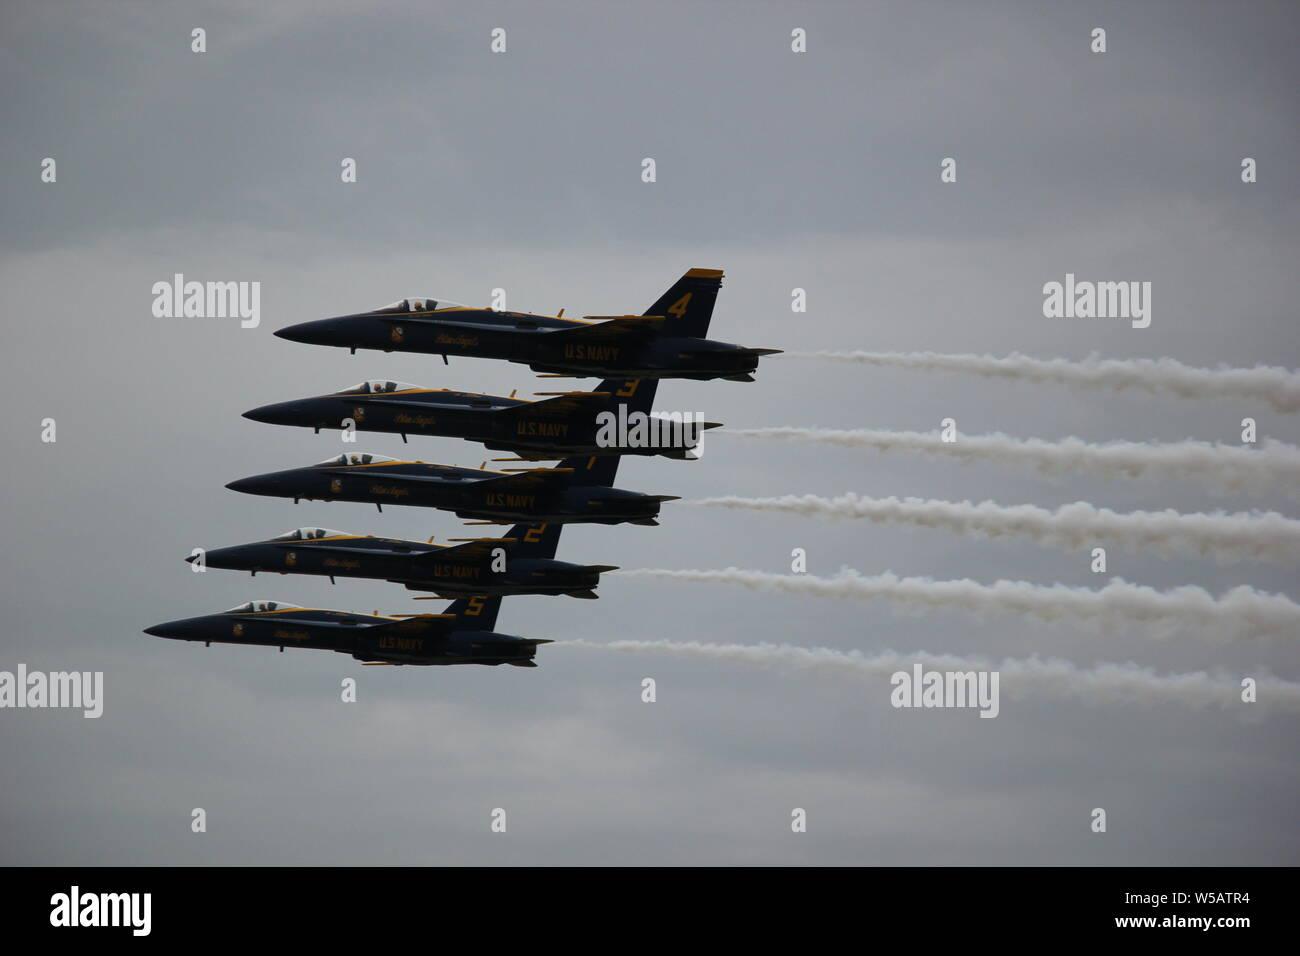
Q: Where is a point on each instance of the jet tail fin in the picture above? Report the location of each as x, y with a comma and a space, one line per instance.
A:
688, 306
593, 470
478, 613
638, 394
535, 540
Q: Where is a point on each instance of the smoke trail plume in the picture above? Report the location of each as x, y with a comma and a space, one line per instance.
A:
1221, 467
1278, 387
1266, 536
1052, 677
1242, 612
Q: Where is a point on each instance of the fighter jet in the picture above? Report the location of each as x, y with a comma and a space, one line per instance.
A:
564, 424
666, 342
523, 562
578, 490
463, 634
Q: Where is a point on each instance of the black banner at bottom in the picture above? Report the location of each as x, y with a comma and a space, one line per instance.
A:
375, 904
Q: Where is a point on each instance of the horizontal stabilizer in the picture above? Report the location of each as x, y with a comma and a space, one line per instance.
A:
649, 319
576, 394
748, 353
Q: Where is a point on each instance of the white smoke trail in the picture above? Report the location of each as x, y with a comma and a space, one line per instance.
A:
1279, 387
1222, 467
1051, 677
1266, 536
1242, 612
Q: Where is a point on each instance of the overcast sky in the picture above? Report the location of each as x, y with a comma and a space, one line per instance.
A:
522, 170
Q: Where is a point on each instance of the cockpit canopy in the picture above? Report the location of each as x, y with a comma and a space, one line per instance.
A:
377, 386
308, 534
421, 304
258, 607
356, 458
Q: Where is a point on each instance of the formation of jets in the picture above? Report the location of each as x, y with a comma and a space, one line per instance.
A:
632, 352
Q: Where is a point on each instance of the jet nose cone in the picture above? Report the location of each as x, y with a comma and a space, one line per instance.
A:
318, 332
281, 413
172, 629
249, 486
295, 333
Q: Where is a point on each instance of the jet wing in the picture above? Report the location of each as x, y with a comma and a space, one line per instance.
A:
526, 480
613, 328
397, 476
288, 619
419, 406
470, 548
408, 318
416, 625
345, 549
606, 328
563, 404
531, 479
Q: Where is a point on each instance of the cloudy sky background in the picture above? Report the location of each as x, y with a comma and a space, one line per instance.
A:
522, 171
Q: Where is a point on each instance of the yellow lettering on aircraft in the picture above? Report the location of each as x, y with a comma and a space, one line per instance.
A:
542, 429
401, 643
502, 500
678, 308
594, 353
